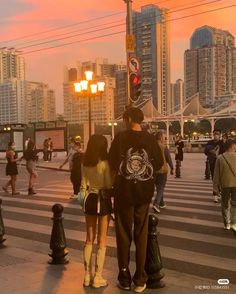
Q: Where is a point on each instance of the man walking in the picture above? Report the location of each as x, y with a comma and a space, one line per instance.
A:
134, 157
225, 178
161, 176
214, 148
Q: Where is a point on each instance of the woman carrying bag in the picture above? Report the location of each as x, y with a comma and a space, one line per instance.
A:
31, 157
94, 192
11, 168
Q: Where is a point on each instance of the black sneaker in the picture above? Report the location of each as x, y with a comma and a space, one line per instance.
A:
124, 287
162, 205
31, 191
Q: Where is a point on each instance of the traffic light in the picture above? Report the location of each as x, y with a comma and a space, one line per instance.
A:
135, 86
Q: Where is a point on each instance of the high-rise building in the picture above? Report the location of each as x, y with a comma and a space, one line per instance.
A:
76, 106
102, 106
152, 34
13, 104
120, 100
210, 66
40, 101
12, 89
12, 65
100, 66
24, 101
177, 95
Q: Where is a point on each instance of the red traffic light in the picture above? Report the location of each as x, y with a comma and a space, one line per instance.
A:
135, 86
136, 79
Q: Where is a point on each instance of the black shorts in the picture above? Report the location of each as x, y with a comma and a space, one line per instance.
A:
91, 205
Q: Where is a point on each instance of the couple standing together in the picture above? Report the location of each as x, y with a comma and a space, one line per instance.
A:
130, 168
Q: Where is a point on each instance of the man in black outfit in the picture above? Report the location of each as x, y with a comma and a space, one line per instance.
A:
134, 157
214, 148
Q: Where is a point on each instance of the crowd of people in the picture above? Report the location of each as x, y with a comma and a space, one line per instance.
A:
221, 155
122, 181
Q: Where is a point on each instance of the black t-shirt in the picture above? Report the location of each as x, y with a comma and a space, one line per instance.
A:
135, 157
30, 155
217, 146
76, 163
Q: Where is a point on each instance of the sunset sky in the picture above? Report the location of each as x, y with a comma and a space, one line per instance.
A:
20, 18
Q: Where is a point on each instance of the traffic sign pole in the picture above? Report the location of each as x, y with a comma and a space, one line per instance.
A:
129, 49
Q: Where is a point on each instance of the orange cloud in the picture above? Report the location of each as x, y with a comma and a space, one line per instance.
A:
44, 15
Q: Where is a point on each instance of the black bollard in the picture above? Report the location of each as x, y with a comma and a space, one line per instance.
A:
177, 169
207, 171
153, 264
2, 228
58, 239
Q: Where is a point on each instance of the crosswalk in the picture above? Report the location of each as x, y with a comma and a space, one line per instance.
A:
192, 239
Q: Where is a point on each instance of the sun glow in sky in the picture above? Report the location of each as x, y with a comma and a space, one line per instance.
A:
20, 18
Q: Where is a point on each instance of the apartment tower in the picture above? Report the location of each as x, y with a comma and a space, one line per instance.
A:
152, 33
210, 66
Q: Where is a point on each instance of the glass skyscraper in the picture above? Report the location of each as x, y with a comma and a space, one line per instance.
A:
152, 34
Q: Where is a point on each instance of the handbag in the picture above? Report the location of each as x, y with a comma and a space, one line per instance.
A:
81, 197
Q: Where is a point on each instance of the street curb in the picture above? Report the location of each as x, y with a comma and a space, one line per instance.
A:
44, 167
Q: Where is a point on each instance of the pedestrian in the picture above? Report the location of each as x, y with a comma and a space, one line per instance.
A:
161, 176
45, 150
30, 155
11, 168
26, 143
225, 178
214, 148
75, 175
179, 150
50, 149
69, 158
96, 179
134, 157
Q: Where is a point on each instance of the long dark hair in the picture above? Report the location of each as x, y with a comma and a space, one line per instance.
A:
96, 150
30, 145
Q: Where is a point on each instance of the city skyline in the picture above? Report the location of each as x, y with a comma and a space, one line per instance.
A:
20, 18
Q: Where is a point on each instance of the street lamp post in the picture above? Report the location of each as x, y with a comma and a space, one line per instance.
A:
89, 88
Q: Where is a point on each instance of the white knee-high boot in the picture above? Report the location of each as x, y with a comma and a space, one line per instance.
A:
88, 250
98, 280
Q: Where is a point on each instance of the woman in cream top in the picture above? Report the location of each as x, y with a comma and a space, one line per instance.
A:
94, 179
96, 176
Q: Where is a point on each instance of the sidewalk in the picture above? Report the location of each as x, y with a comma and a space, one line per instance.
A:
24, 270
197, 166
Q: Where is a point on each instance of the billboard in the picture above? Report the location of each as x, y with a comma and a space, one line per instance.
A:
18, 139
57, 136
5, 138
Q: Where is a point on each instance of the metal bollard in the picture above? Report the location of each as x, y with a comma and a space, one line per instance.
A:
207, 171
177, 169
153, 264
58, 239
2, 228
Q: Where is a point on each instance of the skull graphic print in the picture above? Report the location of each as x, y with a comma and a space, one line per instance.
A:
136, 166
